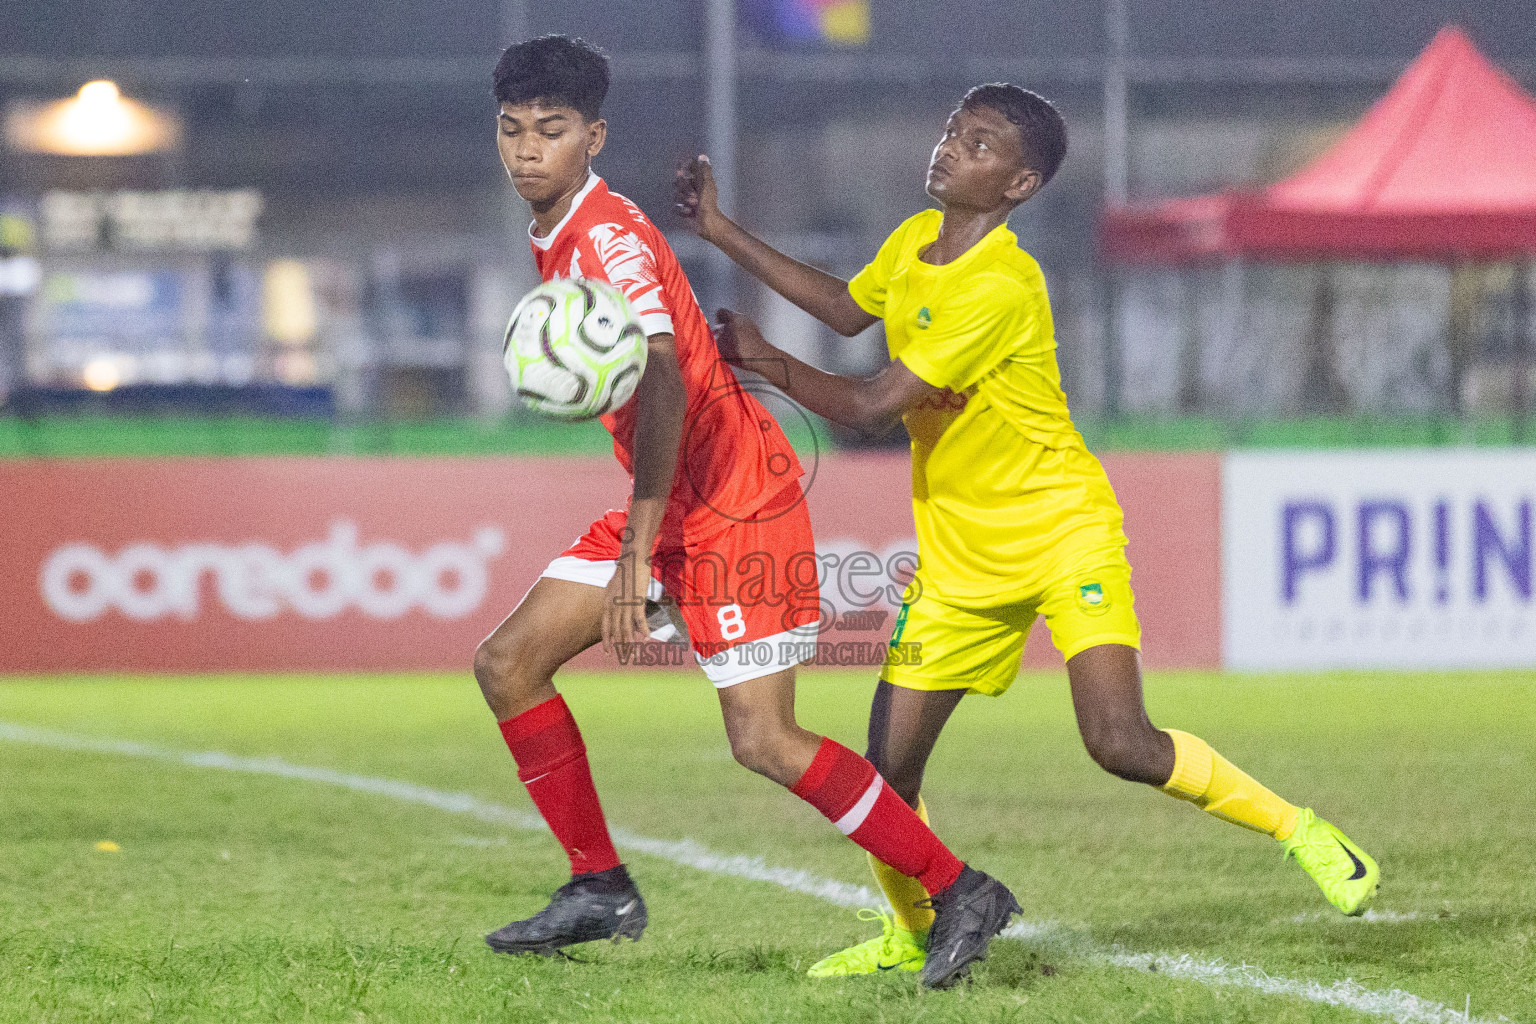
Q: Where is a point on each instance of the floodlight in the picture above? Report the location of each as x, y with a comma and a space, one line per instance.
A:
102, 374
98, 121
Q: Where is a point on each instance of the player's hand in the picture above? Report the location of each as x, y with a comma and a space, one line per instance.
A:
739, 340
697, 199
624, 602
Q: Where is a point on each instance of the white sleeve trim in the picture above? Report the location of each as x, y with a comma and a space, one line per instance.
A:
656, 323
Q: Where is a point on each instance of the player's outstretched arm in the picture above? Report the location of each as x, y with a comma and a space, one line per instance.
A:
661, 401
823, 295
870, 405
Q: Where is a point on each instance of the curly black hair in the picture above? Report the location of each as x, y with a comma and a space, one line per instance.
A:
557, 69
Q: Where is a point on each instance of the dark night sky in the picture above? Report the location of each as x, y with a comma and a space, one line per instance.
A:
1194, 28
348, 138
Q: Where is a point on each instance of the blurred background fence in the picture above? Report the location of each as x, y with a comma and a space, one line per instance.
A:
284, 229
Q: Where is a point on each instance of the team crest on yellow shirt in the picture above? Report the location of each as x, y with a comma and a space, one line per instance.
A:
924, 319
1092, 599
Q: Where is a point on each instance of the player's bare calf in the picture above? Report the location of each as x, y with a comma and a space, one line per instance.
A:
760, 723
1112, 715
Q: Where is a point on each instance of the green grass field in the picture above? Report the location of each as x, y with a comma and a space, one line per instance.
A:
244, 895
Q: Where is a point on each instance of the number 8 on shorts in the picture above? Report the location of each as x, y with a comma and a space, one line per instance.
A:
732, 625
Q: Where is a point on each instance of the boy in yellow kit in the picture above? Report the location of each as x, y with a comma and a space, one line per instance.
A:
1015, 518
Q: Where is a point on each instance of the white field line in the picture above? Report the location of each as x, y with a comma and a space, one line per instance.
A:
1369, 917
1393, 1004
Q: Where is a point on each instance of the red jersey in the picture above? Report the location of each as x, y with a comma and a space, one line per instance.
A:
734, 458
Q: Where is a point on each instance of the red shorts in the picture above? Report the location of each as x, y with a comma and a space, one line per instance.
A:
748, 594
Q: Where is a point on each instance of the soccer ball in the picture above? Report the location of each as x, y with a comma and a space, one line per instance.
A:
574, 349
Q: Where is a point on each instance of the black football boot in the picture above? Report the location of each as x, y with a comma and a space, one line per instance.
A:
966, 917
600, 905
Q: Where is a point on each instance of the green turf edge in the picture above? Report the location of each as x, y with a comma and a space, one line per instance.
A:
153, 436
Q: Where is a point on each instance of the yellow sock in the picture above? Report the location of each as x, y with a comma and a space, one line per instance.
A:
904, 892
1212, 783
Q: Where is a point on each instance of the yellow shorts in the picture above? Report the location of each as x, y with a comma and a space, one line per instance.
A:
940, 645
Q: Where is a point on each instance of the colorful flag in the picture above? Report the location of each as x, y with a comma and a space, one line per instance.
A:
838, 22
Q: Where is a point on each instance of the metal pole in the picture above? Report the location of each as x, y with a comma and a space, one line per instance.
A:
1520, 385
1117, 32
721, 128
514, 21
507, 275
1465, 298
514, 29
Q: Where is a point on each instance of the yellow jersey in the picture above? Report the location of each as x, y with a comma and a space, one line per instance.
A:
1002, 483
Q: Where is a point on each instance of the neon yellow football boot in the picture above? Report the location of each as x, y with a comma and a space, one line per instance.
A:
1346, 874
894, 949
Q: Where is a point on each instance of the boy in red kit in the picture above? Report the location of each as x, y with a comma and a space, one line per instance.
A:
716, 522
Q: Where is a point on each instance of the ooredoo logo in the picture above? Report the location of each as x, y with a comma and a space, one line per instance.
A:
383, 580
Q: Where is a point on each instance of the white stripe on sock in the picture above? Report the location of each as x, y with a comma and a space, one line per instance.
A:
856, 815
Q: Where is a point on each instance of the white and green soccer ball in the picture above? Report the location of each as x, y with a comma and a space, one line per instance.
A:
574, 349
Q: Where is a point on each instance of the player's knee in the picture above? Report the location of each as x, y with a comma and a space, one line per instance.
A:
1122, 749
496, 664
765, 749
754, 750
487, 664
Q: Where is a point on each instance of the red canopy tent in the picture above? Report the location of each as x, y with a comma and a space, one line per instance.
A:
1443, 168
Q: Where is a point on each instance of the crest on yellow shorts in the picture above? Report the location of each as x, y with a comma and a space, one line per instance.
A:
1092, 599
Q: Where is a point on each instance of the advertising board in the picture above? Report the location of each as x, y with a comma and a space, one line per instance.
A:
340, 564
1411, 559
277, 564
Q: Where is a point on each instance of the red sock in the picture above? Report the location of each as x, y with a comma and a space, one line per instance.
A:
848, 790
552, 762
